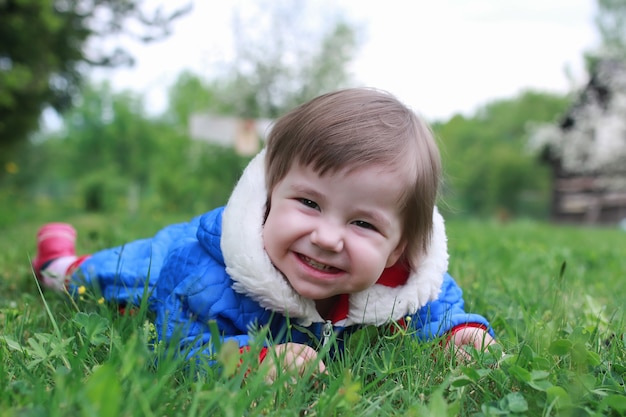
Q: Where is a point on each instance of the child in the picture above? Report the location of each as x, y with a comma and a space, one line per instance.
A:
331, 227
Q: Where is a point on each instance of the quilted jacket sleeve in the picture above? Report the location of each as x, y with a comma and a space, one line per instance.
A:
124, 274
193, 291
440, 316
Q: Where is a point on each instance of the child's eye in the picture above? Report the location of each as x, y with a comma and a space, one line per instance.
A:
364, 225
309, 203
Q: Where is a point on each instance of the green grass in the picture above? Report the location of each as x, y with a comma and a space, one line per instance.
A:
555, 296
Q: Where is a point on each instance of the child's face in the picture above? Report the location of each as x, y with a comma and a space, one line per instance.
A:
334, 234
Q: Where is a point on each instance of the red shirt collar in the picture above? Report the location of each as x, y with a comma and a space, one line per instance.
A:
394, 276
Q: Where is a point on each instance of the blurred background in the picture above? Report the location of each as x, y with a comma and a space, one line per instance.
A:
144, 108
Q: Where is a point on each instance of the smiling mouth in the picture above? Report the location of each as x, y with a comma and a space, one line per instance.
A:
317, 265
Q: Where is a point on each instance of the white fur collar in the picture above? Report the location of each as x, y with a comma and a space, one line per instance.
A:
254, 275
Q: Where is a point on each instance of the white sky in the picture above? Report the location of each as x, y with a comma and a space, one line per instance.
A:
441, 57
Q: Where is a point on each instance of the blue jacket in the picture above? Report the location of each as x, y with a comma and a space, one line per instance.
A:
214, 269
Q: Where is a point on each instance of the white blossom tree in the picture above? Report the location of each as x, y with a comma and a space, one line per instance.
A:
593, 141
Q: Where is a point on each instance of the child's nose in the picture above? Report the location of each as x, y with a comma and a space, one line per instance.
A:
328, 236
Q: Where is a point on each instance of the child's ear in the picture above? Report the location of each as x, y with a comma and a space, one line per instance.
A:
395, 255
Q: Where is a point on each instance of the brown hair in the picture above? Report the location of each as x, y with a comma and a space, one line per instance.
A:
359, 127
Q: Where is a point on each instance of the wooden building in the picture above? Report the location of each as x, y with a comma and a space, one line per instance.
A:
246, 136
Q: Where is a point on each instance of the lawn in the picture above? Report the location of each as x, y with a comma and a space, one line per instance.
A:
554, 294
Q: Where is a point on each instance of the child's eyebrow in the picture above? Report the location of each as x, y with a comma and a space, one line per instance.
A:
378, 218
306, 190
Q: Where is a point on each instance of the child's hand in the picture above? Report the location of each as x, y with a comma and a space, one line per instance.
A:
292, 357
472, 336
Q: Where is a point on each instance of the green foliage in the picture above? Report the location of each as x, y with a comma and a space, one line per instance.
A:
111, 157
610, 23
191, 94
41, 46
488, 169
43, 55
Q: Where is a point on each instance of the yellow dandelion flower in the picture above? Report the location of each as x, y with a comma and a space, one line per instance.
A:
101, 300
11, 167
82, 290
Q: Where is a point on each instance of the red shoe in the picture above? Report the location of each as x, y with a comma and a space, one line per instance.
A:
54, 240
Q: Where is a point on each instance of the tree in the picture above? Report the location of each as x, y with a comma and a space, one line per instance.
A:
610, 21
110, 156
110, 146
286, 53
44, 54
487, 164
190, 94
592, 138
